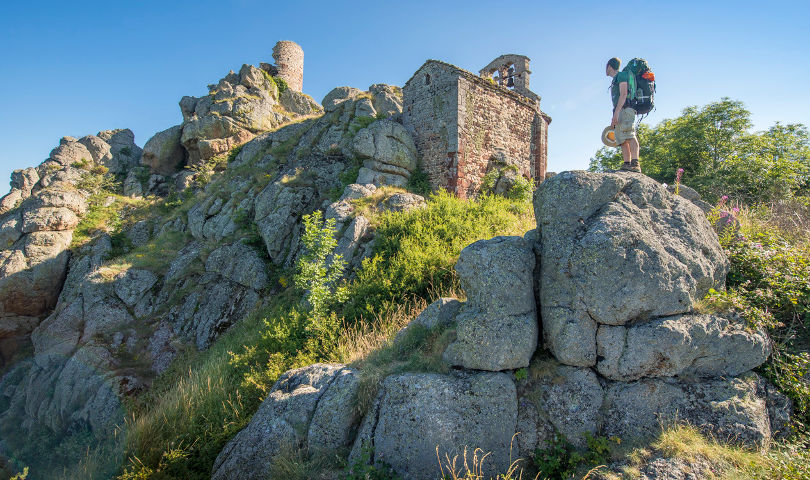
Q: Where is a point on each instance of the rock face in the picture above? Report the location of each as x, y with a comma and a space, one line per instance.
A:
497, 326
617, 249
416, 413
163, 153
388, 154
308, 407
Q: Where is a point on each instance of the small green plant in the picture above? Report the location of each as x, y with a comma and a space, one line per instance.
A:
126, 151
319, 269
281, 84
83, 164
561, 460
22, 475
521, 190
521, 374
419, 183
359, 123
364, 469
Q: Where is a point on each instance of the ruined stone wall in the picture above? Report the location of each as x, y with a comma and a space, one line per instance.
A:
490, 121
429, 112
289, 57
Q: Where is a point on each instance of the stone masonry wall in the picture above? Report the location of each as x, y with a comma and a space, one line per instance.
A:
429, 112
490, 122
460, 122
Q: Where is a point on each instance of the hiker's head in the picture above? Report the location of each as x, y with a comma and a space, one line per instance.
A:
612, 67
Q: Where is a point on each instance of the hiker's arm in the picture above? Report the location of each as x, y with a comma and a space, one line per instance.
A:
619, 104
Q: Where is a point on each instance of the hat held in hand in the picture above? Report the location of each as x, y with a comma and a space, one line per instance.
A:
609, 137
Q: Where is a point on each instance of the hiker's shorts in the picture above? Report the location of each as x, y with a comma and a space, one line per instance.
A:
626, 129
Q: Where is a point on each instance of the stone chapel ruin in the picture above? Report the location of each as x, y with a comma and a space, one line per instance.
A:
464, 125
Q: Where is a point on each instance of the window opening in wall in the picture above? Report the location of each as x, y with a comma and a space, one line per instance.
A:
427, 79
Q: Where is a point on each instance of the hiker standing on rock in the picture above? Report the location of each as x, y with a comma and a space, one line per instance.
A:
624, 117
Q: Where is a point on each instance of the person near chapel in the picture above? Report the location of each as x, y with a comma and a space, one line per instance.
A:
624, 117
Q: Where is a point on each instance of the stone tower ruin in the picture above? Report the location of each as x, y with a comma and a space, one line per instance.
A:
464, 125
289, 57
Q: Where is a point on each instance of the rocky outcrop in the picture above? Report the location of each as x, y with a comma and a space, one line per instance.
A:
618, 262
237, 108
617, 249
309, 407
388, 154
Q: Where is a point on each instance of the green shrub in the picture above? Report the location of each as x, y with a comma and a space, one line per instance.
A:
318, 268
419, 183
767, 284
521, 190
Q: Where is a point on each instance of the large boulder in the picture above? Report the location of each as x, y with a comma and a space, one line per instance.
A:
24, 180
125, 153
416, 414
71, 152
163, 153
386, 99
497, 326
310, 407
617, 249
337, 96
695, 345
728, 408
388, 153
568, 400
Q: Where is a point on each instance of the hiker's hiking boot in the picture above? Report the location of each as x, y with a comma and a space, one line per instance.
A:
631, 166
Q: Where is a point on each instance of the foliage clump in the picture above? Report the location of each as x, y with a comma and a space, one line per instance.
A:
720, 156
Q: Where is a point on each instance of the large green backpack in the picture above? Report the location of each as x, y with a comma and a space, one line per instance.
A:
640, 86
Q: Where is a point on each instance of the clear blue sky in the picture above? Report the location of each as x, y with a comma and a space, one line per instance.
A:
74, 68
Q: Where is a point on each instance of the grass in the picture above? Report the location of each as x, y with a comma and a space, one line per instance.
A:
151, 256
712, 458
415, 251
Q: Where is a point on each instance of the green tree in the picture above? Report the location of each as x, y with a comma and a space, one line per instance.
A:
720, 156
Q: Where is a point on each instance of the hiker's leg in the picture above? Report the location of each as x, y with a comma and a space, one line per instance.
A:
626, 150
632, 146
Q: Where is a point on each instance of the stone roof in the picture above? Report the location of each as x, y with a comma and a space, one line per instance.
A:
484, 83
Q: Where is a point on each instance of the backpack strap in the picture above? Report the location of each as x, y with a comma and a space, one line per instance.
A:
631, 86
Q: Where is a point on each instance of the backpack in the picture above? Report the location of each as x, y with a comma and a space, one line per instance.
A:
640, 86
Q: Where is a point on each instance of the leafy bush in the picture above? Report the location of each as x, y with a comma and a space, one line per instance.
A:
319, 269
768, 285
419, 183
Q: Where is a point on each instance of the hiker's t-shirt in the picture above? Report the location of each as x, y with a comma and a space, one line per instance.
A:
614, 87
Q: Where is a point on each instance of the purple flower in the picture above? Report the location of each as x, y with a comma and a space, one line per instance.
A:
724, 198
723, 214
735, 210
